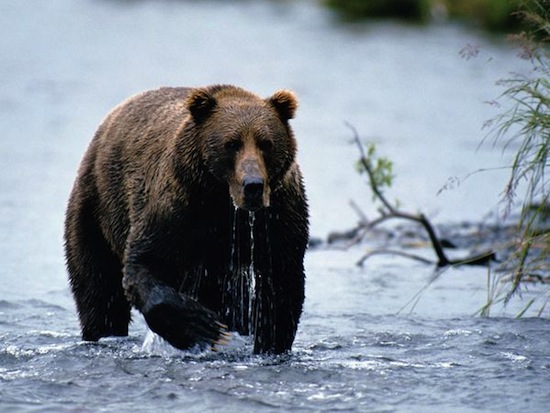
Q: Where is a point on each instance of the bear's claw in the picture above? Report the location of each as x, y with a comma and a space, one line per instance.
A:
224, 340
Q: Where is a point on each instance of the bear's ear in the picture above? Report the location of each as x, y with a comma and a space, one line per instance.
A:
200, 103
285, 103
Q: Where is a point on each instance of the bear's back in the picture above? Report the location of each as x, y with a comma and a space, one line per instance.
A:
130, 154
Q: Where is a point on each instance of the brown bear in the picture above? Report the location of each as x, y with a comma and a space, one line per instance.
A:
189, 205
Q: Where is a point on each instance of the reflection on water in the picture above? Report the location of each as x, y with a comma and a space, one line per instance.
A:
64, 64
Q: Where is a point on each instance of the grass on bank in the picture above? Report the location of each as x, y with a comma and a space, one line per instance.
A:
523, 126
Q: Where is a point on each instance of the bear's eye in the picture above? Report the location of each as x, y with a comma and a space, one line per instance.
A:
233, 145
265, 145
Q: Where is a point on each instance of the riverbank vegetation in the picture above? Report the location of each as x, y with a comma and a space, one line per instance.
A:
496, 15
523, 127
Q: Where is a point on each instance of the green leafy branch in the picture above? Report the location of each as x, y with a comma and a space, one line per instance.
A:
380, 169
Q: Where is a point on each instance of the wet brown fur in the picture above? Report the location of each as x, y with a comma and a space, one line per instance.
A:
149, 222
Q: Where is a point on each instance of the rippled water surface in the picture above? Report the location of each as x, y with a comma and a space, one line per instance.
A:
383, 338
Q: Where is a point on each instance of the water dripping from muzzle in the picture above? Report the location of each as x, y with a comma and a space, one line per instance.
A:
240, 280
251, 275
248, 285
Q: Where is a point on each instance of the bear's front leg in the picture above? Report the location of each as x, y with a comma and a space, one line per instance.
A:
177, 318
279, 302
280, 281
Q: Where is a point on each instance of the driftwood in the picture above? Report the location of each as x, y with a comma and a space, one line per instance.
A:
388, 211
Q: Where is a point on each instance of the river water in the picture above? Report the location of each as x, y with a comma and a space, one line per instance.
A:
388, 337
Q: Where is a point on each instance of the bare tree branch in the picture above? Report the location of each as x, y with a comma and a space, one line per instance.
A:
388, 211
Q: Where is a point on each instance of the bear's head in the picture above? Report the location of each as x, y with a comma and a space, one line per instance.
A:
246, 140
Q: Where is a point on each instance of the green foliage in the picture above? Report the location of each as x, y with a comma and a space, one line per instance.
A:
381, 168
353, 10
492, 14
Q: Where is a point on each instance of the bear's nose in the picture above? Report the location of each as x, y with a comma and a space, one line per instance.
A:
253, 188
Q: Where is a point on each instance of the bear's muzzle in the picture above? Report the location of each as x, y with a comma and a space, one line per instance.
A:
249, 187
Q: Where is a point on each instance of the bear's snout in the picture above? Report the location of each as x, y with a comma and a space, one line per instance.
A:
253, 189
249, 188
